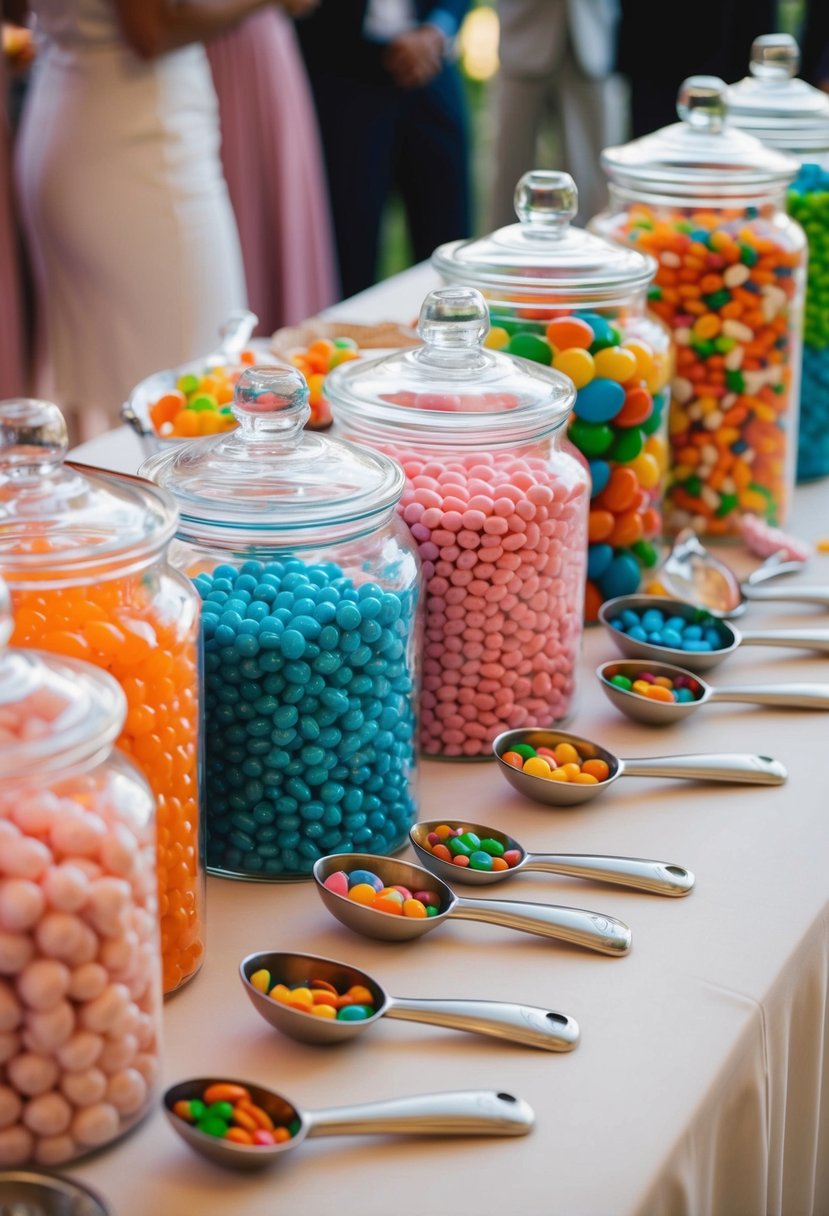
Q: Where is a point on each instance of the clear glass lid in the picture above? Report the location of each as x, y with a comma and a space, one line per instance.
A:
54, 712
451, 388
54, 514
701, 152
543, 252
775, 106
271, 475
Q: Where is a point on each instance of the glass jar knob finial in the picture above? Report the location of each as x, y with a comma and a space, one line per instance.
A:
546, 199
453, 317
701, 103
774, 57
270, 401
33, 436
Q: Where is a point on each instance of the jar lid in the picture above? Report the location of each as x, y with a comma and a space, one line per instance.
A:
701, 152
270, 474
543, 253
773, 105
56, 517
54, 712
452, 389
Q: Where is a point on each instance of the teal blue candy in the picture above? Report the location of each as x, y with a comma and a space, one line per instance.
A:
621, 576
600, 400
354, 1013
309, 716
480, 860
599, 476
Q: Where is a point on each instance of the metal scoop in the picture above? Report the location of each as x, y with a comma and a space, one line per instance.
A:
664, 713
694, 660
32, 1193
593, 930
740, 767
525, 1024
657, 877
692, 573
473, 1112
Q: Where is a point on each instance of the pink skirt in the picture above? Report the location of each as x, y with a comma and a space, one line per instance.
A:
273, 165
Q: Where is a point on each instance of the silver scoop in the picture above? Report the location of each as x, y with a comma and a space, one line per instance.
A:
692, 573
593, 930
473, 1112
740, 767
700, 660
32, 1193
657, 877
524, 1024
665, 713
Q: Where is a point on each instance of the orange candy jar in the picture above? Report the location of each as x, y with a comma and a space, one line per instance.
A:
84, 555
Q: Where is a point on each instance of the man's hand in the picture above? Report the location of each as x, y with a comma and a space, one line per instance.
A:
415, 57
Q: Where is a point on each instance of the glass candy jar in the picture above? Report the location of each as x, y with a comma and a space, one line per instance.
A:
310, 590
791, 116
84, 555
498, 508
80, 969
707, 201
563, 297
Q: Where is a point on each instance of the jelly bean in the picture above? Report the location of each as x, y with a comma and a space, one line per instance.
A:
680, 689
568, 332
615, 363
530, 346
524, 750
808, 202
599, 401
262, 980
700, 634
599, 476
482, 860
536, 766
596, 768
575, 363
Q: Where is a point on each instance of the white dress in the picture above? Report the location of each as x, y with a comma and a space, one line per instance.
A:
131, 234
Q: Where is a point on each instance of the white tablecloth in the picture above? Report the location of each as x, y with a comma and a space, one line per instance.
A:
701, 1084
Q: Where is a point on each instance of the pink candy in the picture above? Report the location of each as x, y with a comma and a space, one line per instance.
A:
764, 540
79, 967
503, 542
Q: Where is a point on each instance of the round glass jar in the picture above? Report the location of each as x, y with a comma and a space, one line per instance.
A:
707, 201
498, 508
565, 298
791, 116
311, 589
84, 554
80, 968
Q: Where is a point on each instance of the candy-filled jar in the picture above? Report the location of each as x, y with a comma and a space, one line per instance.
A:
568, 299
707, 201
80, 969
498, 508
84, 555
311, 589
790, 115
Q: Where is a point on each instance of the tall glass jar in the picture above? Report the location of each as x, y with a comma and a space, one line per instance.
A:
707, 201
562, 297
311, 588
498, 508
790, 115
80, 970
84, 556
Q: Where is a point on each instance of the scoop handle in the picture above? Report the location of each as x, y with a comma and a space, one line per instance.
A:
526, 1024
589, 929
741, 767
803, 639
473, 1112
802, 595
641, 873
786, 696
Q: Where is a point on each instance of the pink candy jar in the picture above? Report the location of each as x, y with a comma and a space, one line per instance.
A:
80, 963
497, 503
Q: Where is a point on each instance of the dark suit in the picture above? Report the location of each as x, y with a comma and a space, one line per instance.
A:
378, 137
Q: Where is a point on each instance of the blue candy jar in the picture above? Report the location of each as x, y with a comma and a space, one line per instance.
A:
792, 116
310, 588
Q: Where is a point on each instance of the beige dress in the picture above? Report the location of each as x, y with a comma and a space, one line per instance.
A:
131, 234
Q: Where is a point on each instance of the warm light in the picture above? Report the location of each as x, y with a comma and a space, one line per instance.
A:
478, 43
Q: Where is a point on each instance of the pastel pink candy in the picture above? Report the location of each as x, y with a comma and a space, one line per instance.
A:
337, 882
764, 540
504, 591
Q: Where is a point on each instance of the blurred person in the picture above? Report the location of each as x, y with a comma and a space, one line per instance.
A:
557, 59
392, 116
133, 244
713, 38
272, 159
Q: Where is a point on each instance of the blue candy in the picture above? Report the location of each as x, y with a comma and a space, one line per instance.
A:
366, 876
599, 401
598, 560
621, 577
599, 476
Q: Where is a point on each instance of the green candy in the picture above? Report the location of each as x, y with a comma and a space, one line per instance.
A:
220, 1110
431, 911
628, 445
524, 750
718, 300
187, 384
457, 847
204, 401
622, 682
646, 553
493, 847
471, 841
748, 255
591, 438
530, 346
197, 1109
211, 1125
735, 381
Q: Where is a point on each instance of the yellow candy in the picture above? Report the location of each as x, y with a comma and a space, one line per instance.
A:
497, 338
324, 1011
575, 363
615, 363
559, 774
643, 355
646, 468
363, 893
565, 753
261, 980
537, 766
